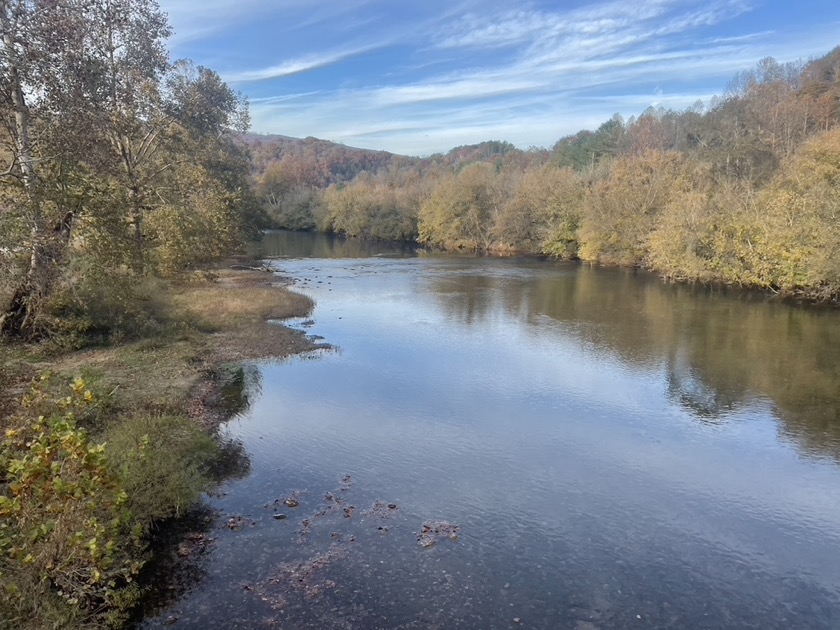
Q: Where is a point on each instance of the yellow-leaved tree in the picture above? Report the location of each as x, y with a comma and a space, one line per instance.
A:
801, 210
623, 207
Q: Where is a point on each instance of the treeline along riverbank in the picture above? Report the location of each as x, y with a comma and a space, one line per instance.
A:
742, 190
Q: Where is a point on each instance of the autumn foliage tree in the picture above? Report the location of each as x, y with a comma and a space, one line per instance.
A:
461, 212
114, 155
738, 190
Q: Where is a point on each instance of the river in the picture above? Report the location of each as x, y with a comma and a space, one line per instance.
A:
501, 443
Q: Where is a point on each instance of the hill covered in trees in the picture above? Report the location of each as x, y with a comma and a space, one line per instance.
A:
743, 190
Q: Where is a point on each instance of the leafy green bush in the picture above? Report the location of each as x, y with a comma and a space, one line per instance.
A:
163, 462
69, 551
74, 513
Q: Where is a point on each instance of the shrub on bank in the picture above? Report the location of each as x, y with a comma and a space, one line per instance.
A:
75, 513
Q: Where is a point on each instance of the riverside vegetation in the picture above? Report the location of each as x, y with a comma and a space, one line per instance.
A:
743, 190
122, 177
113, 439
125, 175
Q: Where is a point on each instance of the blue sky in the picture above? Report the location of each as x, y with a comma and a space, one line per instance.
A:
423, 77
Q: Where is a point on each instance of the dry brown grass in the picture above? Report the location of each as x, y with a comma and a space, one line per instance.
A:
238, 298
210, 324
17, 367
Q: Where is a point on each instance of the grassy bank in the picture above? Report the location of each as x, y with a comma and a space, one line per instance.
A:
76, 517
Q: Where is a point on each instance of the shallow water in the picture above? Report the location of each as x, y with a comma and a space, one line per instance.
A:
615, 452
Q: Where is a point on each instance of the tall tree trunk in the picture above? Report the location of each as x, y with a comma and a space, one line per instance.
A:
19, 318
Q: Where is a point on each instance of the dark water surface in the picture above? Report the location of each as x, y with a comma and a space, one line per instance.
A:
616, 452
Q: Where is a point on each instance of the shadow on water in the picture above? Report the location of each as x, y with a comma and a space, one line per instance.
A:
178, 545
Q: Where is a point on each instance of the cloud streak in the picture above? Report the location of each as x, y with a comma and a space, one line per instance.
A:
296, 66
413, 78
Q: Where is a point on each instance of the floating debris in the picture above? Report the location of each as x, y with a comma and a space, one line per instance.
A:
195, 543
334, 501
304, 577
291, 502
279, 517
381, 509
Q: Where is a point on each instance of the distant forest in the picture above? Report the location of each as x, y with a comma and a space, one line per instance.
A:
743, 190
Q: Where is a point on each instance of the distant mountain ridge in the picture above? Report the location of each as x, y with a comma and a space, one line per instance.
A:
326, 162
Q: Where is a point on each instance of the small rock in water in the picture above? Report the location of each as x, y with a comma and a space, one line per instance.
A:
279, 517
392, 506
291, 502
432, 532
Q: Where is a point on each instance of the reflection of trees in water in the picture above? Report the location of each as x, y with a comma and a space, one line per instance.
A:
473, 298
319, 245
240, 386
721, 349
689, 391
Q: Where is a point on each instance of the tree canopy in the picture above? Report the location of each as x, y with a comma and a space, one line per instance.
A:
738, 190
115, 159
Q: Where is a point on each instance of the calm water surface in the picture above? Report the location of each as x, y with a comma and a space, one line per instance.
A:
615, 451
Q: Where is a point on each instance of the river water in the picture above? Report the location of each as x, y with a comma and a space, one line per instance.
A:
586, 448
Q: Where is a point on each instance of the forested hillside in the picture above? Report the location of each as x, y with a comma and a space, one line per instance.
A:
742, 190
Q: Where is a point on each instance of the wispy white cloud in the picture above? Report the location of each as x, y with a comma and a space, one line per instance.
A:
739, 38
296, 66
479, 86
282, 98
463, 72
196, 19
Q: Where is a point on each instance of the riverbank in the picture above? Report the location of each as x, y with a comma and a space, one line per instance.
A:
822, 296
155, 402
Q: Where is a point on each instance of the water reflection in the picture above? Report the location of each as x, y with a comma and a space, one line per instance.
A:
288, 244
618, 452
239, 386
721, 348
